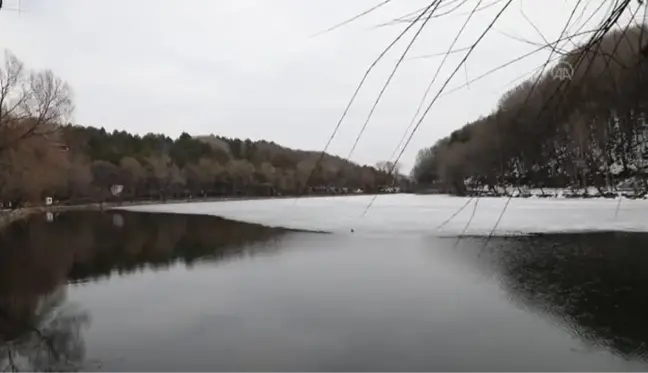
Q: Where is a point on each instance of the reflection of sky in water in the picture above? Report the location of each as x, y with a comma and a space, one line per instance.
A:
171, 292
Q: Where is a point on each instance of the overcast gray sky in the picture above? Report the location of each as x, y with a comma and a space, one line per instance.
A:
252, 68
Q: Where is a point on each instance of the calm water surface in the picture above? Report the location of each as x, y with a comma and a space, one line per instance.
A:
133, 291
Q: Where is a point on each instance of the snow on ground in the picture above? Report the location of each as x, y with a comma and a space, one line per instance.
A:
423, 214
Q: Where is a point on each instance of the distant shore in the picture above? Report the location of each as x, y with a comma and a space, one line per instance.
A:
550, 193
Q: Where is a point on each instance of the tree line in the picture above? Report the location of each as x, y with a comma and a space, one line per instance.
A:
42, 154
588, 130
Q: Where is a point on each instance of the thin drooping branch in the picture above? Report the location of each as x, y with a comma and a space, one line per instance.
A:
448, 220
519, 111
352, 100
431, 104
393, 72
408, 18
429, 107
434, 78
354, 18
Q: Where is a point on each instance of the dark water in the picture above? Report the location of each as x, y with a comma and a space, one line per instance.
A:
140, 292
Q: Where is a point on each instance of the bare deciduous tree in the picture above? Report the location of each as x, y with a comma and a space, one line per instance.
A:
32, 103
134, 173
240, 172
389, 167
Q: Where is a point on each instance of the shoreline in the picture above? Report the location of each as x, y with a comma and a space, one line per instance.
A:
547, 193
8, 217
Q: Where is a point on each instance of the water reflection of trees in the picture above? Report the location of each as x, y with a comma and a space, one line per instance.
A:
595, 283
39, 329
85, 245
47, 339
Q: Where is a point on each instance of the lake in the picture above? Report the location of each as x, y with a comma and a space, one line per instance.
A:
141, 291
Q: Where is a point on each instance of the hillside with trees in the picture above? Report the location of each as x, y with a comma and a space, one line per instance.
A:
43, 154
587, 131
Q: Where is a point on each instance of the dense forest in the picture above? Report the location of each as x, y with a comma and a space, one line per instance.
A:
42, 154
586, 131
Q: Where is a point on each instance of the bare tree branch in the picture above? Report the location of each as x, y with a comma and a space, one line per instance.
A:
31, 104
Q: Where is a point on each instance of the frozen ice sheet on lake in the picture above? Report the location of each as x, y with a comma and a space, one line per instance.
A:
423, 214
